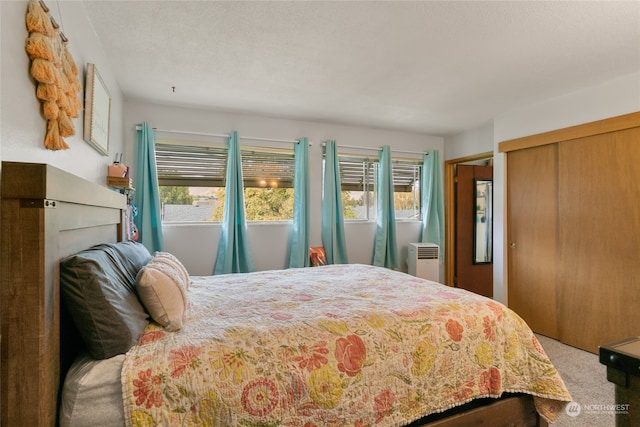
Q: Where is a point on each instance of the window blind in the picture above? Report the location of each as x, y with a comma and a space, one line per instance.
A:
205, 166
358, 173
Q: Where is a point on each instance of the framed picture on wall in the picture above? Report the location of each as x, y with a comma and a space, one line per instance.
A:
97, 110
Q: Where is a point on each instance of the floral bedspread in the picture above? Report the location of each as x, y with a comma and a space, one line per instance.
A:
339, 345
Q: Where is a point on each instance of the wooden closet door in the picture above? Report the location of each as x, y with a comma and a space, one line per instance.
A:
532, 230
599, 237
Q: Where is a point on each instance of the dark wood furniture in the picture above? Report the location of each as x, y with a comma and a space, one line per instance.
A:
48, 214
622, 359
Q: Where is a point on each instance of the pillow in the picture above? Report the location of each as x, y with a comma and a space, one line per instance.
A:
171, 259
92, 391
98, 290
163, 292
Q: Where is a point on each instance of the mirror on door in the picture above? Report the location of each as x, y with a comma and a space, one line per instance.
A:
483, 225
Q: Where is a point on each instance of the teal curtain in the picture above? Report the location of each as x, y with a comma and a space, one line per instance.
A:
147, 194
333, 238
432, 202
234, 254
385, 252
299, 244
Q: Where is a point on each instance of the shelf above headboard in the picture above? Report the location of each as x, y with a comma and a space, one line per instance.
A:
42, 181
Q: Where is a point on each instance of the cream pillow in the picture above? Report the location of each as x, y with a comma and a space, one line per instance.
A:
174, 262
161, 288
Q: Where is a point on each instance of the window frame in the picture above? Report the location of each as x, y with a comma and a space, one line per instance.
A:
196, 159
369, 180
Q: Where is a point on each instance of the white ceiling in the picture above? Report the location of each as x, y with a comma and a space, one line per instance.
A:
436, 67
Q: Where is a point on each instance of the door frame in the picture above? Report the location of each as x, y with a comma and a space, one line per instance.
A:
450, 212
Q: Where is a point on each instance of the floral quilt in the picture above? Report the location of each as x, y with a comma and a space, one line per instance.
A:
338, 345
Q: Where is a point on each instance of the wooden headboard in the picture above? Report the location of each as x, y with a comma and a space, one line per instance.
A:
46, 214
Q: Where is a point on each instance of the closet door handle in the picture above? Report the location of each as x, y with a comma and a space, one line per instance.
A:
513, 245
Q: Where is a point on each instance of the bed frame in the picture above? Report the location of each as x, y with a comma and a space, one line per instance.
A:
48, 214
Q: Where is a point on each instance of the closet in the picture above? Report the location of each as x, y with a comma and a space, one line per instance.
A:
573, 231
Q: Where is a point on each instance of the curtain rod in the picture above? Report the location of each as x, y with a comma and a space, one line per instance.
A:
376, 149
225, 135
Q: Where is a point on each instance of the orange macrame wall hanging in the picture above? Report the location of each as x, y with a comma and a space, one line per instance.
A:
55, 74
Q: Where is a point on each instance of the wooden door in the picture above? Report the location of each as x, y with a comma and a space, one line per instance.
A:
532, 232
471, 276
599, 236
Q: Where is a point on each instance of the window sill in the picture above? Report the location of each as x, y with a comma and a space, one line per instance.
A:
356, 220
201, 223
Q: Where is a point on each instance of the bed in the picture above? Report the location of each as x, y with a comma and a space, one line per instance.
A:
333, 345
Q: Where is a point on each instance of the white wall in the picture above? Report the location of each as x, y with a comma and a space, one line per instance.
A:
471, 142
197, 244
22, 126
608, 99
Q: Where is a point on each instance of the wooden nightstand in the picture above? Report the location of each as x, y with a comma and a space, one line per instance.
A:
622, 359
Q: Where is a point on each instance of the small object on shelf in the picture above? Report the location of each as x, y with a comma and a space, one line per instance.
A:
117, 169
120, 182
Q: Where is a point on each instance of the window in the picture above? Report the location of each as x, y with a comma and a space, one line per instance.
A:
406, 189
192, 182
359, 187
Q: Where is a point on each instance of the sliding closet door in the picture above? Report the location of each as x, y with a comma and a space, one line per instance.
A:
532, 236
599, 238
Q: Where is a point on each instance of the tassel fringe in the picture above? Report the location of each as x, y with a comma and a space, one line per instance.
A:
56, 74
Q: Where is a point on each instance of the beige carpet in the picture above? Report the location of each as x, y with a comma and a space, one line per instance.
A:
587, 382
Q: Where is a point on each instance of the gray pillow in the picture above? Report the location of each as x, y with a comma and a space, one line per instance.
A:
98, 290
